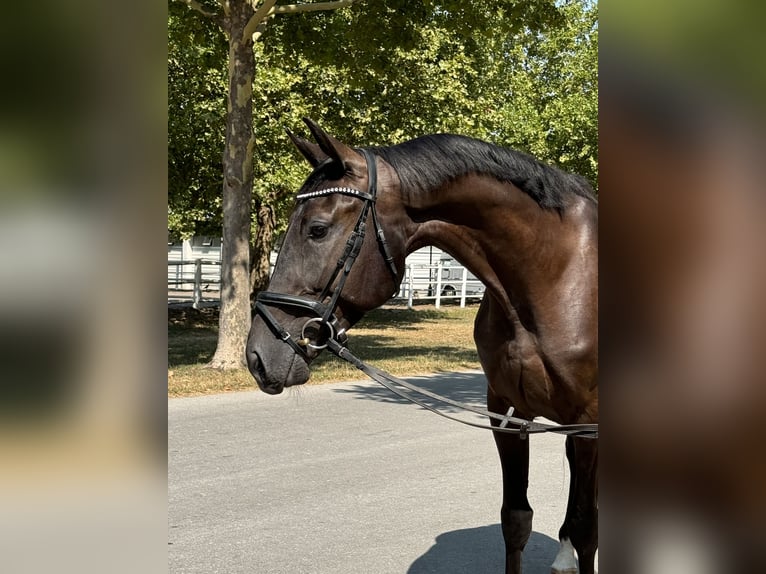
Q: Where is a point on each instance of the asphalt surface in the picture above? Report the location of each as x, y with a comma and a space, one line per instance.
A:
346, 478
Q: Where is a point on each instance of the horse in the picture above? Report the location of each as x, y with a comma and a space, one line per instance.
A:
526, 229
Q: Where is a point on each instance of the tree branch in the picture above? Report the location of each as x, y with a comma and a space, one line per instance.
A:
262, 27
254, 26
255, 20
316, 6
193, 4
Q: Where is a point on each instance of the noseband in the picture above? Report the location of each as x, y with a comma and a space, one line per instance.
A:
324, 313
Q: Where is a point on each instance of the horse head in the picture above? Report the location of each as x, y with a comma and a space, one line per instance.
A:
342, 255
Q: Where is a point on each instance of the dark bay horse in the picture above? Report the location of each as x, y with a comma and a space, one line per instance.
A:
527, 230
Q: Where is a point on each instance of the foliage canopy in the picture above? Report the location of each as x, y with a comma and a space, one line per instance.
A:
522, 74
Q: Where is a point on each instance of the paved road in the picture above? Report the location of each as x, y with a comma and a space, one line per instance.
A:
346, 478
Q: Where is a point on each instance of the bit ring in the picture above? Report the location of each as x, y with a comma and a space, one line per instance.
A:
321, 322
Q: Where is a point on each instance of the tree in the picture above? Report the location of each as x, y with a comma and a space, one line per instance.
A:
242, 23
522, 74
197, 74
516, 73
548, 91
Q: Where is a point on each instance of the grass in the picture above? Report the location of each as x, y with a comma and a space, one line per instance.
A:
401, 341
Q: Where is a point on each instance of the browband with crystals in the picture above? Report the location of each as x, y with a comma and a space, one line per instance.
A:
332, 190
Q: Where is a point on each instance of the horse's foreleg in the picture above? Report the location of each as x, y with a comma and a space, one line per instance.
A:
516, 514
580, 529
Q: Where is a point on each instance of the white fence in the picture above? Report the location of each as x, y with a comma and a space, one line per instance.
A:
189, 280
439, 282
199, 281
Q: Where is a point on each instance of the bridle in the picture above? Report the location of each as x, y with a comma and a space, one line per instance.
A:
324, 313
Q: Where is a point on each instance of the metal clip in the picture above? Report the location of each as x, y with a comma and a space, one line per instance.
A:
524, 430
505, 420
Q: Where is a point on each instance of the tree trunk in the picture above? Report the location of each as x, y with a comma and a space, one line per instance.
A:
262, 244
234, 322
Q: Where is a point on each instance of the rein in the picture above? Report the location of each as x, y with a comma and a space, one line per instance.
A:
525, 427
324, 317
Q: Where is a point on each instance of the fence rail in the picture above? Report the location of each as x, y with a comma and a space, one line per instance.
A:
199, 281
439, 282
190, 279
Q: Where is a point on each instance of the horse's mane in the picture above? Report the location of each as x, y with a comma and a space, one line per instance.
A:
428, 162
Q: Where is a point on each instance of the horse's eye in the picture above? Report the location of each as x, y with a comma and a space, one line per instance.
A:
317, 231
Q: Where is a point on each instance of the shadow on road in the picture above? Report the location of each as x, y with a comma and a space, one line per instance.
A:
464, 387
481, 550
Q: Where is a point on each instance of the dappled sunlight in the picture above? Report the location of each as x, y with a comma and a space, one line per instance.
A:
403, 352
399, 340
405, 318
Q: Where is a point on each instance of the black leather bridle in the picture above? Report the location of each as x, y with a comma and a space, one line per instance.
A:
324, 313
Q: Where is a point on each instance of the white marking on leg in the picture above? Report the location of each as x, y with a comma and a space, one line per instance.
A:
565, 562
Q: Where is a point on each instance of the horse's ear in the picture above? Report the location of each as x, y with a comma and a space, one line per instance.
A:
311, 151
332, 147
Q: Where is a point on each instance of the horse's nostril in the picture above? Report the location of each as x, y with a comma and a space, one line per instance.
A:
253, 363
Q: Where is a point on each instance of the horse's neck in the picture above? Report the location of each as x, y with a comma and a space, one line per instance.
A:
478, 214
495, 229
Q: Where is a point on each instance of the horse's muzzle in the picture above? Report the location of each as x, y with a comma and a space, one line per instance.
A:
255, 365
274, 367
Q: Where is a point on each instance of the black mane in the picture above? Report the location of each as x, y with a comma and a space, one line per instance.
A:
427, 162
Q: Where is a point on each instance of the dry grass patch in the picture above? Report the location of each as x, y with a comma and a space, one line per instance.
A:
401, 341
